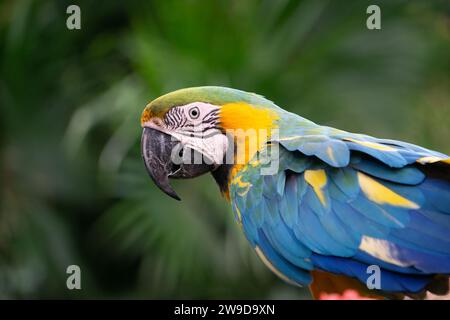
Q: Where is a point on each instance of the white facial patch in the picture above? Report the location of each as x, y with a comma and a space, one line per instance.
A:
213, 146
195, 125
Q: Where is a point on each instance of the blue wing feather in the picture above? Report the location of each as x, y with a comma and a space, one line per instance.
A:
344, 230
390, 281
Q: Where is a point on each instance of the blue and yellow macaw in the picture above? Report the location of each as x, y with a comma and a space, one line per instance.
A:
335, 204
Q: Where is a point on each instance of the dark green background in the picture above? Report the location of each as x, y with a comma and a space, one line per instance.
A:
73, 189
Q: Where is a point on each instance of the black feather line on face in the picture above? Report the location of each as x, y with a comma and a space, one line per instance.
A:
212, 114
173, 118
176, 118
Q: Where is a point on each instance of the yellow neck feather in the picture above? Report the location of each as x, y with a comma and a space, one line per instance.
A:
250, 127
241, 115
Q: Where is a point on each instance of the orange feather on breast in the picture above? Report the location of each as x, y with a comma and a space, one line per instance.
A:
328, 283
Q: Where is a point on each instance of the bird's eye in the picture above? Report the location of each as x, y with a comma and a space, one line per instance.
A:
194, 113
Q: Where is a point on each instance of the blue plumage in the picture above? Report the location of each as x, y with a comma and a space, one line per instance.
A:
370, 201
339, 202
390, 281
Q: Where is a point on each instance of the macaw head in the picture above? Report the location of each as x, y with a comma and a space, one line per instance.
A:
189, 132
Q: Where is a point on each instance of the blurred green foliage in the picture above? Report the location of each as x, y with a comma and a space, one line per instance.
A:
73, 189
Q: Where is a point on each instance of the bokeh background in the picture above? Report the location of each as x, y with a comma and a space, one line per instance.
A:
73, 189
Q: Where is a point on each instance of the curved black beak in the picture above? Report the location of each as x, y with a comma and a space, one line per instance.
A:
164, 157
156, 149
